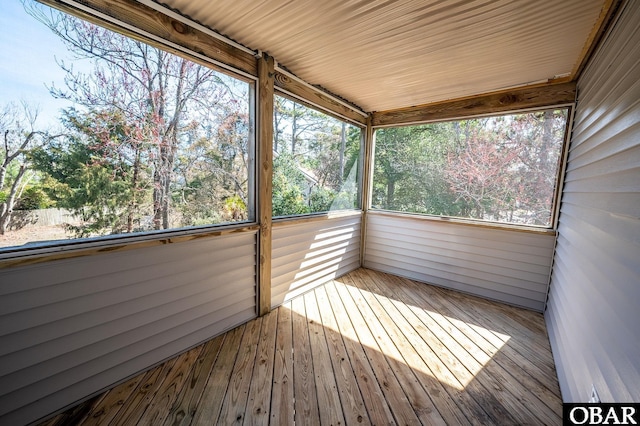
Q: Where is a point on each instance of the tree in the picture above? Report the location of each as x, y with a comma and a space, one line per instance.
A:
159, 94
408, 170
541, 135
506, 167
288, 181
296, 126
395, 151
318, 155
480, 173
208, 169
172, 134
96, 171
19, 136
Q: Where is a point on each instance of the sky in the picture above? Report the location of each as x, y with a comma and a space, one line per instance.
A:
28, 61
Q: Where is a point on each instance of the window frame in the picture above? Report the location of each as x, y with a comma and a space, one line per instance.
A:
559, 178
361, 162
37, 252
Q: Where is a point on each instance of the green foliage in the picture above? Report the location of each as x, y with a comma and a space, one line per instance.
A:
91, 179
408, 170
498, 168
213, 171
287, 183
91, 190
34, 198
321, 199
315, 156
235, 209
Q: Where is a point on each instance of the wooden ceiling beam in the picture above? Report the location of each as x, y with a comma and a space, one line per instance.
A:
317, 97
487, 104
129, 17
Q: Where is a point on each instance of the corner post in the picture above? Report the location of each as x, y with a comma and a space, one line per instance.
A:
265, 175
367, 184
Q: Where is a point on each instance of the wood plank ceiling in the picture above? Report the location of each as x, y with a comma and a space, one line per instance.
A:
386, 54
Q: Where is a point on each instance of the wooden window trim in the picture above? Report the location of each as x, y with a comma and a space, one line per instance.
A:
138, 21
302, 101
496, 103
297, 90
119, 243
559, 179
455, 221
314, 217
150, 26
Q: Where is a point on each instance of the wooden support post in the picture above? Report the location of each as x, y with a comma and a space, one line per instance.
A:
265, 176
367, 184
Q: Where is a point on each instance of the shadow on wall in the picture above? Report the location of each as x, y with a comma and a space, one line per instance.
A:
310, 253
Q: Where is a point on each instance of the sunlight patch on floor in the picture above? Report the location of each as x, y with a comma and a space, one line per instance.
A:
450, 350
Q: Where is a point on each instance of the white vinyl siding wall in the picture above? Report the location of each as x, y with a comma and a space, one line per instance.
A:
71, 328
593, 312
307, 254
505, 265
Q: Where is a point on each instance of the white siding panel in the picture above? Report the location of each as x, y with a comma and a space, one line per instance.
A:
593, 310
72, 327
501, 264
307, 254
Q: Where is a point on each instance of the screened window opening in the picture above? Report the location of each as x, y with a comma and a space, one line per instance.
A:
106, 135
499, 169
316, 160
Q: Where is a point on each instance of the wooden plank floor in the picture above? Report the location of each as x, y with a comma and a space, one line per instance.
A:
367, 348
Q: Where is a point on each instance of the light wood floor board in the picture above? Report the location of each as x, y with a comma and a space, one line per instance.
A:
365, 349
282, 385
376, 405
304, 388
260, 391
